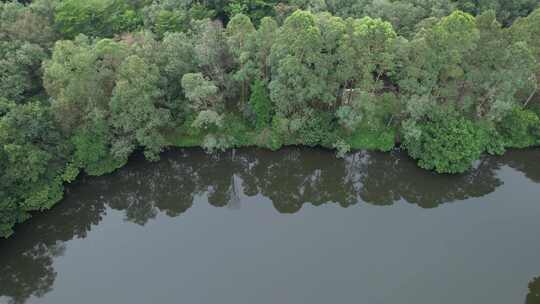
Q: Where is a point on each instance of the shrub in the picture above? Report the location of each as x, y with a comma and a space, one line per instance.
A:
520, 129
445, 143
261, 105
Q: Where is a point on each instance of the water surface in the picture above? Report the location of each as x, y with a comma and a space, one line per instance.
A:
294, 226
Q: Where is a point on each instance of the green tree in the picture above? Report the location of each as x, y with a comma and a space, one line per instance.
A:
136, 119
80, 77
32, 154
446, 143
178, 58
260, 47
520, 129
261, 104
507, 11
25, 23
239, 31
202, 93
96, 18
20, 74
213, 57
297, 83
528, 30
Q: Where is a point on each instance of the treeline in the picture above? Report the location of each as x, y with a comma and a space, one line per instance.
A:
83, 84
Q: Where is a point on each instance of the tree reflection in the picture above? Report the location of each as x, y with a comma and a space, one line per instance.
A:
533, 297
26, 261
290, 178
387, 178
526, 161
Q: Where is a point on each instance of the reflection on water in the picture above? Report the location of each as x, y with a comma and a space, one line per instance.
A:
290, 178
534, 292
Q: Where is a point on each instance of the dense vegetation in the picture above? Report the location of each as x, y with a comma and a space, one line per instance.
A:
84, 83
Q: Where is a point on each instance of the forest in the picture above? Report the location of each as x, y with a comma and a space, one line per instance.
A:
86, 83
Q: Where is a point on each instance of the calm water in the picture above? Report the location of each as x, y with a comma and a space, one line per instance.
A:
295, 226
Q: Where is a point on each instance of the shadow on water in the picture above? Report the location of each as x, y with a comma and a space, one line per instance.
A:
290, 178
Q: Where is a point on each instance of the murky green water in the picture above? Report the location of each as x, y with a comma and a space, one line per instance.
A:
294, 226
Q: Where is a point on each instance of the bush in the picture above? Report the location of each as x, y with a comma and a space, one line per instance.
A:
237, 128
318, 129
445, 143
261, 105
342, 148
364, 138
520, 129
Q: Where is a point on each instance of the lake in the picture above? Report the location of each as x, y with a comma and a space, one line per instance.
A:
293, 226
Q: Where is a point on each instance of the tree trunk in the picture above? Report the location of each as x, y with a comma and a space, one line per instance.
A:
531, 96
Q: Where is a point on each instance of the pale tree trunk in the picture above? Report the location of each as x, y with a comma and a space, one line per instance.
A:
531, 96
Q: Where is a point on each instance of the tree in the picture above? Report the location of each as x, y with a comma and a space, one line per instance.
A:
435, 61
255, 9
261, 105
80, 77
446, 143
507, 11
178, 58
260, 46
527, 30
520, 129
95, 18
497, 71
28, 24
32, 154
533, 297
92, 146
297, 83
25, 35
405, 15
202, 93
213, 56
20, 75
239, 31
134, 115
367, 57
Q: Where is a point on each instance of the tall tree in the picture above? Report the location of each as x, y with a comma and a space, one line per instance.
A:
297, 83
32, 155
239, 32
136, 119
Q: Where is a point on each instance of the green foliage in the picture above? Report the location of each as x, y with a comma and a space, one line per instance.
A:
239, 131
31, 154
507, 11
208, 120
296, 79
25, 35
96, 18
342, 148
256, 9
202, 93
445, 143
366, 138
261, 104
173, 15
520, 129
29, 24
136, 118
343, 74
20, 64
317, 129
92, 149
184, 135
